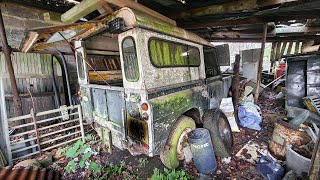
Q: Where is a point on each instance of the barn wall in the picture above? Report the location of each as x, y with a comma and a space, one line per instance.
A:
17, 19
33, 76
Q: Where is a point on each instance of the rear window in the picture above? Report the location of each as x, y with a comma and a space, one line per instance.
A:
165, 53
130, 61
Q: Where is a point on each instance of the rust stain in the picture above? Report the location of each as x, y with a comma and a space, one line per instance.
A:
283, 135
28, 173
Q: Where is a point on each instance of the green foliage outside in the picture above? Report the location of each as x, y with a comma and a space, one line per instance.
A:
170, 174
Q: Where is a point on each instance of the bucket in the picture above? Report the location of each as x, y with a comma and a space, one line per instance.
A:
299, 164
202, 151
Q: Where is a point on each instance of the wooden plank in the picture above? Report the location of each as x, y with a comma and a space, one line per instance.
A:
296, 48
234, 6
232, 22
31, 38
217, 9
283, 48
141, 8
107, 75
53, 18
263, 44
273, 51
107, 8
289, 48
111, 53
235, 85
80, 10
315, 161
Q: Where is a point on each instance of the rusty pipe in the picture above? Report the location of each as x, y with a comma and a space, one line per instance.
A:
7, 54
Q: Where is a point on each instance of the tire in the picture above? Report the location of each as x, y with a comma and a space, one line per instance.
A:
168, 154
220, 131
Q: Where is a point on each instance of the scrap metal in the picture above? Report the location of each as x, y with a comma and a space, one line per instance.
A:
28, 173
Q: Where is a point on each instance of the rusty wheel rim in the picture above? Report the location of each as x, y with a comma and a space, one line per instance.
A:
225, 132
182, 142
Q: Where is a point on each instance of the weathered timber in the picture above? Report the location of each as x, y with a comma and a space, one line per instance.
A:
230, 7
141, 8
263, 44
217, 9
232, 22
80, 10
235, 85
283, 48
273, 51
7, 54
105, 75
289, 48
296, 48
315, 162
52, 18
269, 39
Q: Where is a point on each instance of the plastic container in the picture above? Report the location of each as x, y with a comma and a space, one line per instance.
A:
202, 151
270, 169
299, 164
280, 70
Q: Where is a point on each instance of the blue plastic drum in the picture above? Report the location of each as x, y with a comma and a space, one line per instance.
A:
202, 151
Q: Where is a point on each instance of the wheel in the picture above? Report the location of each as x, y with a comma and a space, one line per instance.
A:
173, 149
220, 131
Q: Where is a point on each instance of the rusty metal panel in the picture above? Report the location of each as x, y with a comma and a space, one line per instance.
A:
295, 83
115, 103
100, 107
313, 76
28, 173
303, 78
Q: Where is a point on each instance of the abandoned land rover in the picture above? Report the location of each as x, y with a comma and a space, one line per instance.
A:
146, 83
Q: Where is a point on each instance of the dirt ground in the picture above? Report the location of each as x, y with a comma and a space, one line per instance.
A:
142, 167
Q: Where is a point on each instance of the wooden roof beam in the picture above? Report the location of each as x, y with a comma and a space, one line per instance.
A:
269, 39
232, 22
294, 30
87, 6
234, 6
82, 9
141, 8
245, 21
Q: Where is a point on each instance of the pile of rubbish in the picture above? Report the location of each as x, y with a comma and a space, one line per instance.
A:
280, 146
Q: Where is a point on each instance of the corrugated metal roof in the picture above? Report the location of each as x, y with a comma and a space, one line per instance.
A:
28, 173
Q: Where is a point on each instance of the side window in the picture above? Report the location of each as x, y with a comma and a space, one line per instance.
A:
80, 66
130, 61
165, 53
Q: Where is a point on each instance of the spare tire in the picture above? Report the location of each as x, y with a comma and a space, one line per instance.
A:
220, 131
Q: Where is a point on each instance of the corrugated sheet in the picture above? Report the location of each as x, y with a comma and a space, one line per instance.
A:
28, 174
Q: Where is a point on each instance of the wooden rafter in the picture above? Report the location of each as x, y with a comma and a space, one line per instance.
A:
141, 8
80, 10
233, 6
232, 22
269, 39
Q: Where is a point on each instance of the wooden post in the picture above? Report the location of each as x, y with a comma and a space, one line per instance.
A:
289, 48
235, 85
315, 162
263, 44
273, 55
